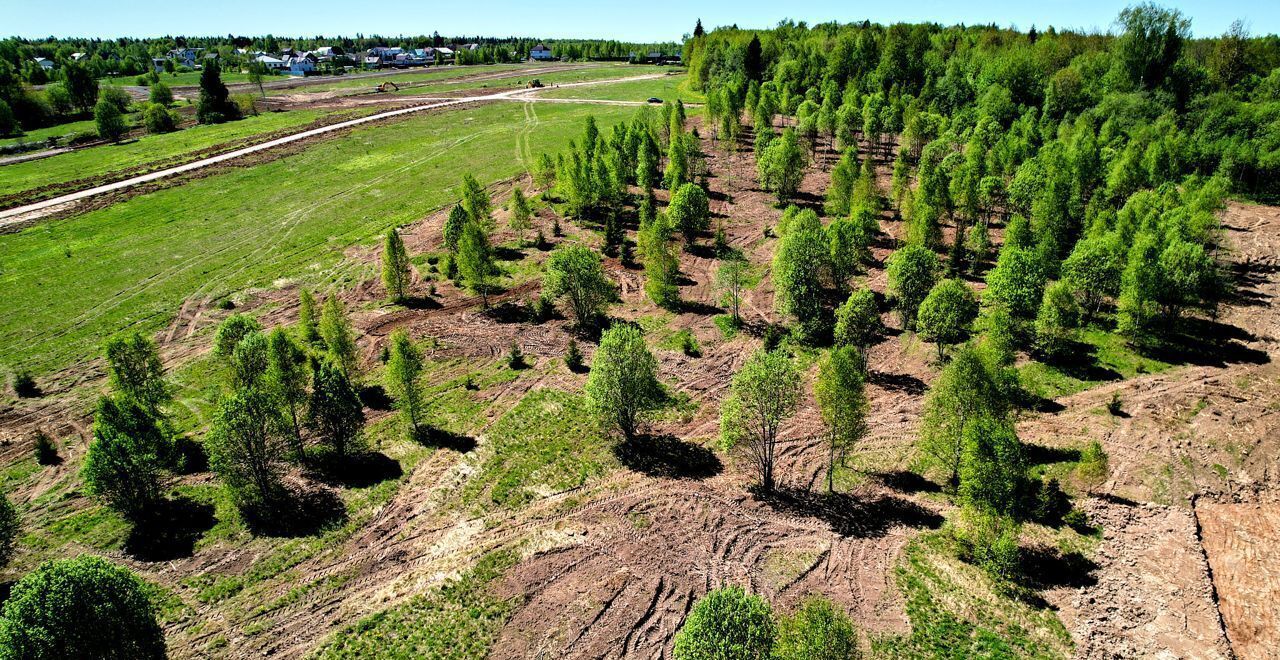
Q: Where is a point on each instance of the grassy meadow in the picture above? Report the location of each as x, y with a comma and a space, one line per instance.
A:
108, 158
72, 283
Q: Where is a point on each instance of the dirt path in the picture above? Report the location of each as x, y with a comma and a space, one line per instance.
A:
29, 213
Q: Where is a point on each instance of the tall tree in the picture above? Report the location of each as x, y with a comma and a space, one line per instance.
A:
765, 393
842, 400
520, 213
134, 372
395, 266
967, 389
623, 385
575, 274
475, 201
947, 314
475, 260
247, 447
913, 270
732, 278
404, 370
334, 410
214, 105
339, 337
125, 462
308, 330
798, 267
286, 378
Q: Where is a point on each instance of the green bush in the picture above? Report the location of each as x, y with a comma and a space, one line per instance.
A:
78, 608
726, 623
46, 452
817, 631
24, 385
10, 525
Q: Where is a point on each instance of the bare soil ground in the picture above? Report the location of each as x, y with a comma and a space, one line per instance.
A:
612, 568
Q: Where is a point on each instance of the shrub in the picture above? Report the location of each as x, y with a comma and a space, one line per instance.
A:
46, 451
161, 95
110, 122
1094, 465
515, 357
10, 524
688, 343
817, 631
85, 607
158, 119
24, 385
117, 97
726, 623
573, 356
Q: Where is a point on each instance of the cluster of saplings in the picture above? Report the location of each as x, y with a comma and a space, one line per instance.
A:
77, 95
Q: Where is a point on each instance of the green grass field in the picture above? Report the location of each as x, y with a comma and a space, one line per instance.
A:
601, 72
70, 284
428, 74
667, 88
107, 158
61, 130
176, 79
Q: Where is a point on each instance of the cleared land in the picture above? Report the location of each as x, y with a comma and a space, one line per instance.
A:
527, 529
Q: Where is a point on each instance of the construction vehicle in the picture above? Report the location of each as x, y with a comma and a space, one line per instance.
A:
387, 86
535, 83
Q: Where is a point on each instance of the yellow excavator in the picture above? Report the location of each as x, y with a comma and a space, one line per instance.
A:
387, 87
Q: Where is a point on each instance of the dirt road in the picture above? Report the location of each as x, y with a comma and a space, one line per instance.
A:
23, 215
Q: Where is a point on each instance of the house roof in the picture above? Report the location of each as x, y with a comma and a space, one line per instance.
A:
267, 59
540, 47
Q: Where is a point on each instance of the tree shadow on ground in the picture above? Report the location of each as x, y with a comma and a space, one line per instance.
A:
668, 456
375, 398
699, 308
857, 517
1035, 454
421, 302
510, 312
1047, 568
1080, 361
432, 436
505, 253
905, 383
172, 532
1247, 277
298, 510
905, 481
354, 470
1208, 343
188, 456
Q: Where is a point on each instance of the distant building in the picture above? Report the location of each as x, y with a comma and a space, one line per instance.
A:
44, 63
541, 52
78, 56
187, 57
379, 56
272, 63
300, 65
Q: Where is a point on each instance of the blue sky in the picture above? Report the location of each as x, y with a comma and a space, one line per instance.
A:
639, 20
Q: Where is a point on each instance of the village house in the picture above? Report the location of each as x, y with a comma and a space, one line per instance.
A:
44, 63
271, 63
187, 57
541, 52
301, 65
